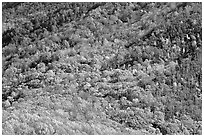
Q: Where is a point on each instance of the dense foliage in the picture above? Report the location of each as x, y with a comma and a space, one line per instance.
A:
102, 68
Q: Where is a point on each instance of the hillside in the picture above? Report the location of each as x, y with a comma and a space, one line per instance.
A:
101, 68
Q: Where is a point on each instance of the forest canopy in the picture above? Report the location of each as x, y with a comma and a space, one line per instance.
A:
101, 68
